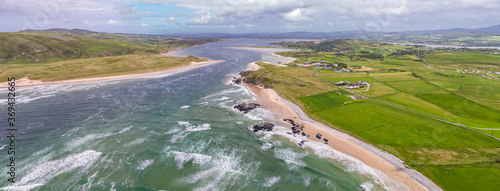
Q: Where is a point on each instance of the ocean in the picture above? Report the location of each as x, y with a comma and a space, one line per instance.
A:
176, 132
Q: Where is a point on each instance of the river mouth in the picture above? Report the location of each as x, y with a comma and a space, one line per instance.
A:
177, 132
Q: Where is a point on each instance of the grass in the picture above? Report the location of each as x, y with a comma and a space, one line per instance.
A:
414, 103
369, 120
480, 90
94, 67
351, 79
462, 59
397, 76
470, 113
435, 148
328, 100
378, 89
415, 87
484, 179
405, 61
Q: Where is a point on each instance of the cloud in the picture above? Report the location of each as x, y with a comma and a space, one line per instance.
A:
112, 22
128, 12
204, 17
254, 15
296, 15
144, 25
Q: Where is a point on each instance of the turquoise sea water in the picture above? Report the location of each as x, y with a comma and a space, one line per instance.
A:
175, 132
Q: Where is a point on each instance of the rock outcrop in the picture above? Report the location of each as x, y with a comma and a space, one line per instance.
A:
319, 135
246, 107
263, 126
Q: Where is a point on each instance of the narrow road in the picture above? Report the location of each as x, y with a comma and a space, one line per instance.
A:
418, 54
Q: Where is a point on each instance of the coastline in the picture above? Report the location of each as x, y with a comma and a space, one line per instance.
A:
25, 82
387, 163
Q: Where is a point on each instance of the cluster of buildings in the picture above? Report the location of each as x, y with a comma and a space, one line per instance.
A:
312, 64
478, 72
350, 85
355, 97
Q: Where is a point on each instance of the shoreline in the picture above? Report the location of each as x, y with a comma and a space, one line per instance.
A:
373, 157
25, 82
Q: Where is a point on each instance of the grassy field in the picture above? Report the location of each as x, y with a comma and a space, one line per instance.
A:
390, 77
451, 156
328, 100
470, 113
93, 67
463, 59
470, 178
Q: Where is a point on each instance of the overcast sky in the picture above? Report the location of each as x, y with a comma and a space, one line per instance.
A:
241, 16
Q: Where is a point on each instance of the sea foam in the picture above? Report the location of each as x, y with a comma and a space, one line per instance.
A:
42, 173
182, 158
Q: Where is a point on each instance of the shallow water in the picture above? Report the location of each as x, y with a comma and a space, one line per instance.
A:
177, 132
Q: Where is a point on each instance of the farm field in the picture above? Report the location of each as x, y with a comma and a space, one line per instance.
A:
471, 178
402, 103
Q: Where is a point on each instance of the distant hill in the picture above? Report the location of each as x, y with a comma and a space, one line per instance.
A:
491, 29
63, 44
59, 30
357, 34
27, 47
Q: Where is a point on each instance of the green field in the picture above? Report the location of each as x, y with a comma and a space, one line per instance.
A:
411, 102
470, 113
323, 101
416, 87
401, 129
406, 96
389, 77
463, 59
470, 178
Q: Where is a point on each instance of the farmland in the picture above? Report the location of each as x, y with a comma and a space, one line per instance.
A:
410, 110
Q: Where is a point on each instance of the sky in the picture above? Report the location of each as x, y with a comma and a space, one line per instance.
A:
247, 16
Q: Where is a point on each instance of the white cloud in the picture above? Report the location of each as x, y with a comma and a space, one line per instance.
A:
263, 15
144, 25
204, 17
296, 15
112, 22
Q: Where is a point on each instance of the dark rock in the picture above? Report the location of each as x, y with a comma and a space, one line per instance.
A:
237, 81
301, 143
263, 126
303, 134
245, 107
289, 121
301, 127
295, 129
318, 136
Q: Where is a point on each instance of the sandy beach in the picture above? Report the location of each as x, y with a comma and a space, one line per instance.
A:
366, 153
25, 82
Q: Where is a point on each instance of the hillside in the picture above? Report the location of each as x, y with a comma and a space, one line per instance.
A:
61, 44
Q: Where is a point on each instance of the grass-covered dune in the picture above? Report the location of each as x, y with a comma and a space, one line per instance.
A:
94, 67
61, 54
